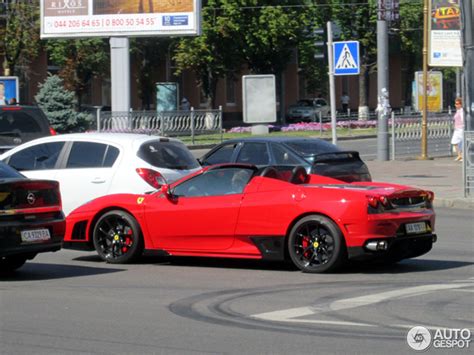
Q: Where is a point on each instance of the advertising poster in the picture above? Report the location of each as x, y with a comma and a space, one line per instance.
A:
259, 98
9, 90
445, 34
106, 18
167, 96
434, 91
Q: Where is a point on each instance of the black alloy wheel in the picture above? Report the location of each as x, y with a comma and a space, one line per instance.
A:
117, 237
316, 245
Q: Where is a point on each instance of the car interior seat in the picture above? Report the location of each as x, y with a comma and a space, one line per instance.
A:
270, 172
299, 175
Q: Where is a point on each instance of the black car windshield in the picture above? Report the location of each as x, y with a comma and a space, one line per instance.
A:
311, 147
168, 155
6, 172
18, 120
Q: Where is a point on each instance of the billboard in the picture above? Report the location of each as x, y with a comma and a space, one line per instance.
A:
445, 34
259, 98
113, 18
434, 91
9, 90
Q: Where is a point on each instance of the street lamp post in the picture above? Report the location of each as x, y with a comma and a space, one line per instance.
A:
424, 119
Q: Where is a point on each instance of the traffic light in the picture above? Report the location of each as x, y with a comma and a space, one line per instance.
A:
319, 43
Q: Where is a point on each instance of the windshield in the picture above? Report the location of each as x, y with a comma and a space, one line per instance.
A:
6, 172
169, 155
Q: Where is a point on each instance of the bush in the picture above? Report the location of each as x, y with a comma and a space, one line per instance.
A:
59, 105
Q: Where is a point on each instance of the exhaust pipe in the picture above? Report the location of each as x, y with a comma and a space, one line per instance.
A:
377, 245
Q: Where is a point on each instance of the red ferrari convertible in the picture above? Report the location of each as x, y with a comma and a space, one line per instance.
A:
239, 211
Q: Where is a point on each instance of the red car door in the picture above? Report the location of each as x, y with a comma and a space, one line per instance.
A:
200, 215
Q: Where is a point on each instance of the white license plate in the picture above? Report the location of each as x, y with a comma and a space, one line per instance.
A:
35, 235
415, 228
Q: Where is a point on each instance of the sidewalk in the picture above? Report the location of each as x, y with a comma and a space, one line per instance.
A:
443, 176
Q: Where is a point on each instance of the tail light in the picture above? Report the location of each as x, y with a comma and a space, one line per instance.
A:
52, 131
430, 196
384, 201
378, 204
152, 177
373, 201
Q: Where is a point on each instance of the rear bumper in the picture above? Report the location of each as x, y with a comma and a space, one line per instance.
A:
32, 249
11, 243
397, 248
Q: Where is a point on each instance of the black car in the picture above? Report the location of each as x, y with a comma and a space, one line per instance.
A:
20, 124
316, 155
31, 219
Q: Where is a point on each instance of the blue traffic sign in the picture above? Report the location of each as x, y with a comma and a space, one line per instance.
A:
346, 58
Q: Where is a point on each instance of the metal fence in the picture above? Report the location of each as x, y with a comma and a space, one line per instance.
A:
406, 135
468, 173
166, 123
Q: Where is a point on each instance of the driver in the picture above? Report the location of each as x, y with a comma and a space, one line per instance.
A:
239, 180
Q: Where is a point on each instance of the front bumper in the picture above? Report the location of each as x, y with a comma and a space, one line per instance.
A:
397, 248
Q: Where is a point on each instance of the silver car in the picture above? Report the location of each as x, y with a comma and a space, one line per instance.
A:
308, 110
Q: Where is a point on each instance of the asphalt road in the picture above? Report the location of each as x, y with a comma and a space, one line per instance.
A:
72, 303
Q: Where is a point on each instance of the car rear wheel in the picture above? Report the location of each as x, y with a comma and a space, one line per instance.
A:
117, 237
316, 245
11, 263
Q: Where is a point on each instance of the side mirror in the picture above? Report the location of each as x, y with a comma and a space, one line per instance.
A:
165, 190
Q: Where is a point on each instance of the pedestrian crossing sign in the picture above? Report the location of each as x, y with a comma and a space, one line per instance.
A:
346, 58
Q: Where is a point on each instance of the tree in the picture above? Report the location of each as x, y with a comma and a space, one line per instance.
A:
411, 40
147, 53
267, 35
213, 54
59, 105
261, 35
21, 35
359, 21
80, 60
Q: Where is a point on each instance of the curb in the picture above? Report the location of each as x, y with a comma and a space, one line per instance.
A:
461, 203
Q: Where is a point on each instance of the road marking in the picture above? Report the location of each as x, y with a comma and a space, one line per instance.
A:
380, 297
289, 315
463, 290
430, 327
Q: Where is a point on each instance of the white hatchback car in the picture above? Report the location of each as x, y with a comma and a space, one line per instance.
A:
90, 165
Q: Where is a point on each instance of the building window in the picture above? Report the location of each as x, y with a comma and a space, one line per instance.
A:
230, 90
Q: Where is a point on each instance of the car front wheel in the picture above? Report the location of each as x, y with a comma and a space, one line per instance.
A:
316, 245
117, 237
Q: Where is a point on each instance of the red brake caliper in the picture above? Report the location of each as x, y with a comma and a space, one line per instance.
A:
128, 241
305, 243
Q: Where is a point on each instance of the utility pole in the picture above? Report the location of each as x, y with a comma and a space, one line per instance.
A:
467, 14
332, 84
424, 118
383, 107
120, 73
